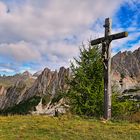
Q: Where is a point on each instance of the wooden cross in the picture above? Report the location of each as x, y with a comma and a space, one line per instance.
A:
106, 54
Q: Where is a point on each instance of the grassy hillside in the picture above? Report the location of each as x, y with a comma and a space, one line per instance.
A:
65, 128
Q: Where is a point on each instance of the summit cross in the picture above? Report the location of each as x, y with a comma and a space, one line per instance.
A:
106, 54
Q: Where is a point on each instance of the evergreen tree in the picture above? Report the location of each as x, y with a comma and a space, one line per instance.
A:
86, 85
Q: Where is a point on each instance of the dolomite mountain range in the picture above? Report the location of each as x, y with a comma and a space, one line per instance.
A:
41, 88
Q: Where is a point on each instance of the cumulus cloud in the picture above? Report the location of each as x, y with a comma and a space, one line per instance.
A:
20, 51
3, 8
33, 22
42, 31
6, 70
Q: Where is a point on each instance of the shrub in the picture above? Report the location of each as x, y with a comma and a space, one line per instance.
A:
22, 108
123, 109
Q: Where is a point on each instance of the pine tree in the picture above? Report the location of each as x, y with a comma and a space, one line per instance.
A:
86, 85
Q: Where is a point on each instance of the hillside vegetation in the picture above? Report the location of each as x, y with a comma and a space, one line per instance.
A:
65, 128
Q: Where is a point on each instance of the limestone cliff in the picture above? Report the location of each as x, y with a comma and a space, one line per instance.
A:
126, 67
47, 85
13, 95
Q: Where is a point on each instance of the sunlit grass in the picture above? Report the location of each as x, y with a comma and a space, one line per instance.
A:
65, 128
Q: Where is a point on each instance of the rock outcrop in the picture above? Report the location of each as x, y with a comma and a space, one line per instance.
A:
36, 74
126, 68
2, 90
52, 109
46, 86
13, 95
49, 82
26, 74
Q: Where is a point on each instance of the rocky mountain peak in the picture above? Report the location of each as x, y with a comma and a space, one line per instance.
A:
27, 73
127, 65
37, 73
49, 82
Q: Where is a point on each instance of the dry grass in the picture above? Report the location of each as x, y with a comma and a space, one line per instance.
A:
65, 128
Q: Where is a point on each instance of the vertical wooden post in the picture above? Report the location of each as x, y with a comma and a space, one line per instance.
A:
107, 71
106, 54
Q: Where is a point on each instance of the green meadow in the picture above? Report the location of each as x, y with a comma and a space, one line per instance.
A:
66, 127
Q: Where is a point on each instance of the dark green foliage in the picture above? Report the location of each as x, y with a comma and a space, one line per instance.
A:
23, 107
46, 99
60, 94
131, 90
86, 85
123, 109
122, 75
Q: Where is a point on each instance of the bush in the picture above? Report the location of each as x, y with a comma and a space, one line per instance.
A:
22, 108
123, 109
60, 94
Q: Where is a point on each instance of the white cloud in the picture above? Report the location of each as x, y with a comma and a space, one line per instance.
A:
44, 24
124, 44
20, 51
3, 8
31, 22
6, 70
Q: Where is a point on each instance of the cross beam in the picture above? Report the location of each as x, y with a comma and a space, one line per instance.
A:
106, 54
110, 38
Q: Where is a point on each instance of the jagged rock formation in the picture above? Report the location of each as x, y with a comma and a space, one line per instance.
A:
126, 67
13, 95
49, 82
52, 109
26, 74
46, 86
37, 73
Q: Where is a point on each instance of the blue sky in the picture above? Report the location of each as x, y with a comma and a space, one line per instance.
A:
35, 34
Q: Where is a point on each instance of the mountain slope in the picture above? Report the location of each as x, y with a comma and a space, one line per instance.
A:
126, 68
47, 85
127, 63
8, 81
